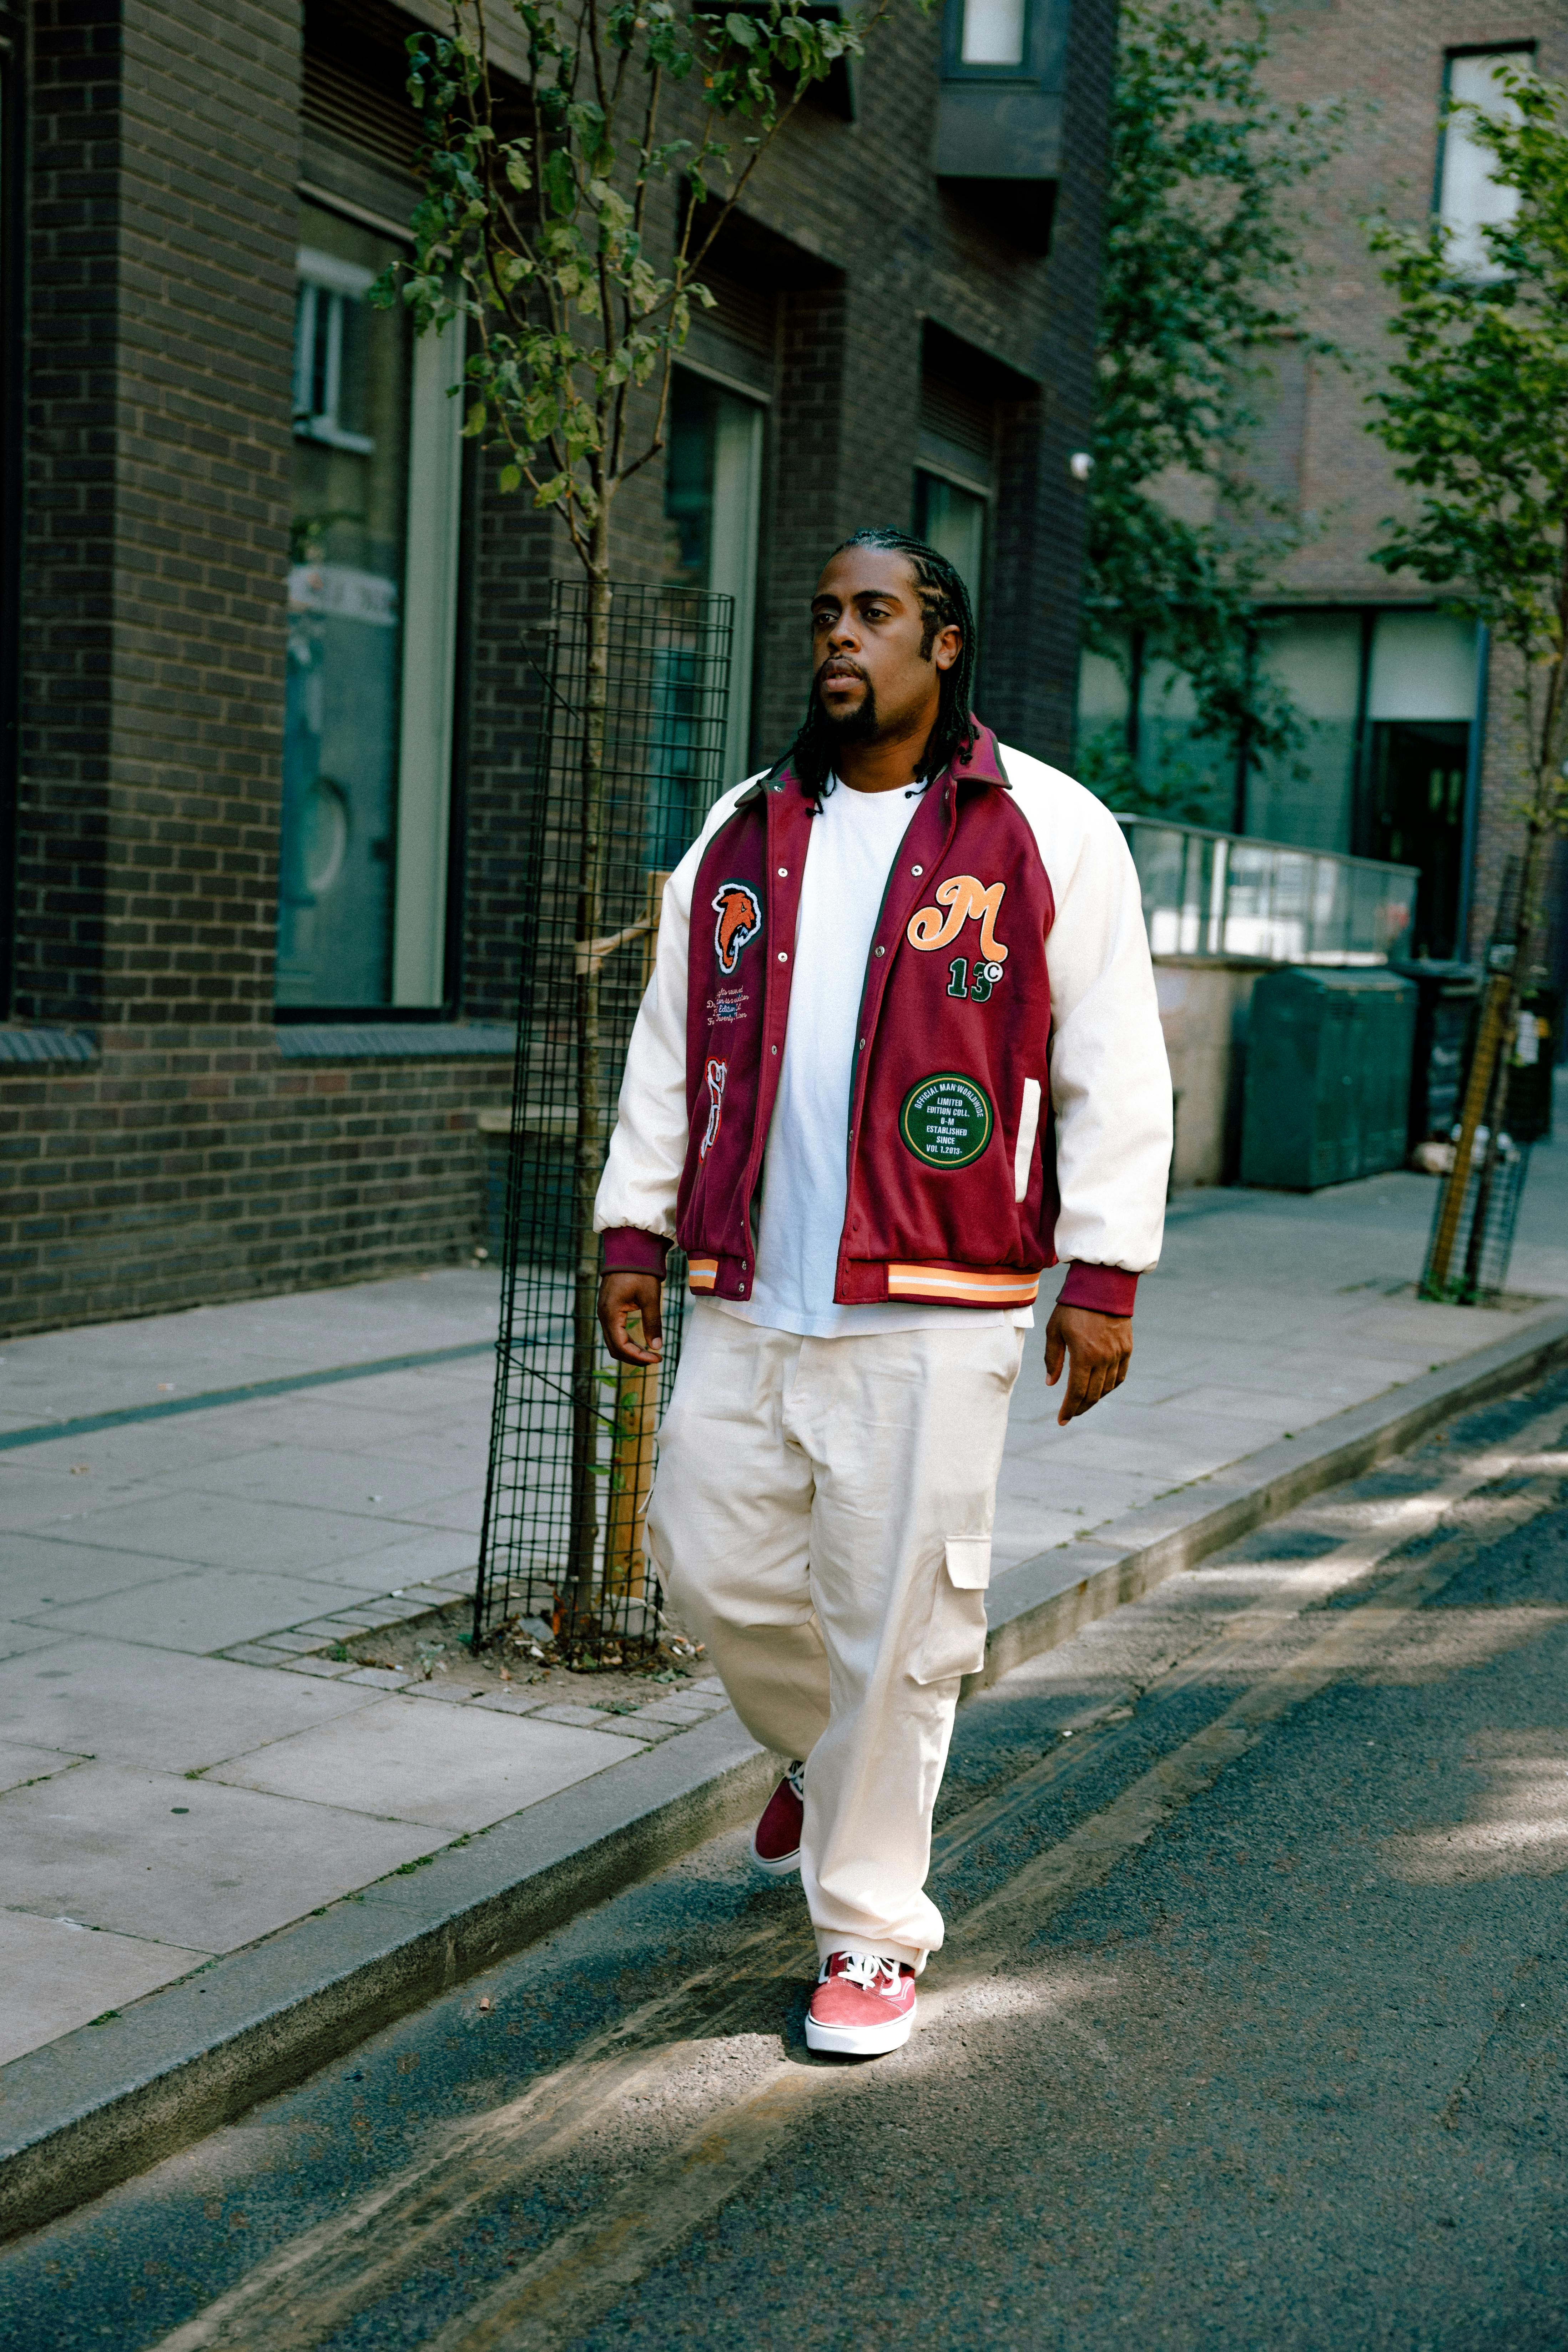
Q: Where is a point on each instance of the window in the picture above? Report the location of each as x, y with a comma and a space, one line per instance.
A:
713, 502
992, 33
956, 472
1470, 200
1389, 702
373, 610
952, 519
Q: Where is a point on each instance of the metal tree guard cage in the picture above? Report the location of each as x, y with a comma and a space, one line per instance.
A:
561, 1552
1483, 1242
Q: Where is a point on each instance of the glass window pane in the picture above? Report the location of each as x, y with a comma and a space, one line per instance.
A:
712, 504
1471, 198
1423, 667
994, 32
1306, 797
952, 520
345, 585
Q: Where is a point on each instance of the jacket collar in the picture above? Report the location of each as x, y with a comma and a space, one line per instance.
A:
981, 765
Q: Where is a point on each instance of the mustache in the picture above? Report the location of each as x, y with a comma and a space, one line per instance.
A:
839, 663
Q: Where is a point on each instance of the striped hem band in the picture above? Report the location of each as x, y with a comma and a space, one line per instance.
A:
953, 1286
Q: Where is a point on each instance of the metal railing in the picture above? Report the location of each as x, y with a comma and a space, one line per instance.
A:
1223, 894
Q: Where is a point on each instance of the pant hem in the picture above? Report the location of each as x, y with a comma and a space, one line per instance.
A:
868, 1947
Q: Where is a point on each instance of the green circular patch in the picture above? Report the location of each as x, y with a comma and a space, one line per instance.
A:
946, 1120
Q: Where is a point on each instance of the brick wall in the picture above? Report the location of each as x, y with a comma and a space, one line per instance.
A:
189, 1163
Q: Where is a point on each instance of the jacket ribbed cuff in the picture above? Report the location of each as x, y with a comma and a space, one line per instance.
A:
1108, 1289
628, 1250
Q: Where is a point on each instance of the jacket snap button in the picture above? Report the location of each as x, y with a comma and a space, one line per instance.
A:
881, 951
783, 873
917, 869
776, 1049
783, 957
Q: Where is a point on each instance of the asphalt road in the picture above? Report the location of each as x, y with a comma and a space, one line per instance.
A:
1251, 2029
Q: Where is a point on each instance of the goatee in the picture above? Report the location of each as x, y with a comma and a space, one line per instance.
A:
858, 726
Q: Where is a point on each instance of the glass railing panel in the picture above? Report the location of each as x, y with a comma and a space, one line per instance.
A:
1216, 894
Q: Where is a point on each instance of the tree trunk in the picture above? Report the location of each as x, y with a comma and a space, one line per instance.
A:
585, 1516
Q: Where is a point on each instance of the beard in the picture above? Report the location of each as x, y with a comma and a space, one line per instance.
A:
858, 726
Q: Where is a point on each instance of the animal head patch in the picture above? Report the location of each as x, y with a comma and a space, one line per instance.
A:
739, 913
715, 1073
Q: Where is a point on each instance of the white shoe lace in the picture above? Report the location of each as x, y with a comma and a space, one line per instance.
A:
873, 1972
795, 1775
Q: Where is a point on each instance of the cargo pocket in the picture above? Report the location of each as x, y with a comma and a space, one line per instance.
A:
954, 1641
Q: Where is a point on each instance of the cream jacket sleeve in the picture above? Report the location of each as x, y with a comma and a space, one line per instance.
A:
1110, 1082
647, 1149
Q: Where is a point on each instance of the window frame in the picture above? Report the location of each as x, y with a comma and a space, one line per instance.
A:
1451, 56
447, 894
741, 728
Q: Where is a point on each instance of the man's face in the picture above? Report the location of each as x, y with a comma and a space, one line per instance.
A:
870, 676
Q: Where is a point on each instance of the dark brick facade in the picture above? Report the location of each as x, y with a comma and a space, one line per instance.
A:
171, 1144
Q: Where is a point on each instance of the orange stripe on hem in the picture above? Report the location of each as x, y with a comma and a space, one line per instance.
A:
702, 1273
964, 1287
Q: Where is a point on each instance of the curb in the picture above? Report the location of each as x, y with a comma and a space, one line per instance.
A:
90, 2109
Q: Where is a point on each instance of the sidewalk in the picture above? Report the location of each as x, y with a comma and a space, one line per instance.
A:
189, 1768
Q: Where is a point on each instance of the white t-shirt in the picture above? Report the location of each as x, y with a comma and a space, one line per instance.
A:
805, 1171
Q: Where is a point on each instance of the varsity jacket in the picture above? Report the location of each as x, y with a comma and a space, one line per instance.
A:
1011, 1096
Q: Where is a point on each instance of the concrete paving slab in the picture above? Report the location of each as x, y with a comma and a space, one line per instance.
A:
452, 1769
231, 1531
20, 1765
200, 1610
37, 1500
60, 1976
45, 1571
112, 1365
186, 1862
377, 1486
16, 1641
159, 1707
403, 1557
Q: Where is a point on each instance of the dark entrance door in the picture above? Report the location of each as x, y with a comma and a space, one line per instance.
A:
1415, 816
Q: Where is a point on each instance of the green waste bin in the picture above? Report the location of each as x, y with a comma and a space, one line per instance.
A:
1328, 1077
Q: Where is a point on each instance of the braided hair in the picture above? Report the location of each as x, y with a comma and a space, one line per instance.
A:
944, 603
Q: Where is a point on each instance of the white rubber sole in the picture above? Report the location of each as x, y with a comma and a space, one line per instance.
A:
784, 1865
860, 2040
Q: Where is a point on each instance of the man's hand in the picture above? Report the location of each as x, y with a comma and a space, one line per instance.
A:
1099, 1348
628, 1315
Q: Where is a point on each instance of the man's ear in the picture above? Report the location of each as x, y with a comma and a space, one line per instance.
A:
948, 646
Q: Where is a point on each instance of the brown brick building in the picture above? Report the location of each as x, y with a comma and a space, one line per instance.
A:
270, 704
1412, 747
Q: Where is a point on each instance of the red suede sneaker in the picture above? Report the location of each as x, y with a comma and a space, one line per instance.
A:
863, 2005
775, 1840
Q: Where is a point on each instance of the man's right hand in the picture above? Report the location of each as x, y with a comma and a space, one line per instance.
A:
626, 1299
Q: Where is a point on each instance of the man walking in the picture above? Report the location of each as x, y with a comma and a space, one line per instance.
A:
899, 1050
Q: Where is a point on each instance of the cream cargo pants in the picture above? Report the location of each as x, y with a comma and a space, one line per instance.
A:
821, 1519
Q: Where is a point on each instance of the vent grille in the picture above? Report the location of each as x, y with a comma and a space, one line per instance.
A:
377, 121
743, 315
965, 420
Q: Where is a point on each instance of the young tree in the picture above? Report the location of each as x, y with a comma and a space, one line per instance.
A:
1203, 276
568, 237
1475, 413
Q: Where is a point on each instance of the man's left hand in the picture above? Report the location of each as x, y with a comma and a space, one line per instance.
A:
1097, 1349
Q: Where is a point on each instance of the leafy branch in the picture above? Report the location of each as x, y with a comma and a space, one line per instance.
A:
1203, 282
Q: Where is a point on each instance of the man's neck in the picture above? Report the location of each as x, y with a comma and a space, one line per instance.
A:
890, 763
